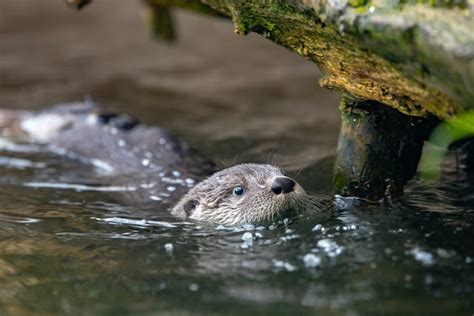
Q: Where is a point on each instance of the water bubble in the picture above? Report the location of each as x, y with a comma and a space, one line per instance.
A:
247, 236
194, 287
155, 198
279, 264
330, 247
190, 181
248, 226
445, 253
290, 237
147, 185
311, 260
247, 239
169, 248
425, 257
317, 227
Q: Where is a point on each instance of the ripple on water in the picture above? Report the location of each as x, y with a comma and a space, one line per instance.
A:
78, 187
18, 163
424, 257
18, 219
135, 222
330, 247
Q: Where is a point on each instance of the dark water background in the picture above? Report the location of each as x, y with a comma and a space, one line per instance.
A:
236, 99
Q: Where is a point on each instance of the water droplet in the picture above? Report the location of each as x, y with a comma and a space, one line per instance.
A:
311, 260
317, 227
425, 257
283, 265
329, 246
169, 248
247, 236
194, 287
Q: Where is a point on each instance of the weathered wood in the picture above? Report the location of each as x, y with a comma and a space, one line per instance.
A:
379, 149
414, 57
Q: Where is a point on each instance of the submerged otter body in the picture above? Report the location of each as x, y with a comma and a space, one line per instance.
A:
160, 167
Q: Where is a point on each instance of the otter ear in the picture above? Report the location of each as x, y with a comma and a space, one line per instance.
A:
190, 206
185, 207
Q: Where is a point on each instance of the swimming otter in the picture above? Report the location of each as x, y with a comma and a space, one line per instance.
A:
164, 167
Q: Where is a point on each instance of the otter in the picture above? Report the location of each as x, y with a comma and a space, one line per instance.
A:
164, 167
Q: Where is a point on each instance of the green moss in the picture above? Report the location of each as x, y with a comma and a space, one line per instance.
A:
358, 3
439, 3
348, 67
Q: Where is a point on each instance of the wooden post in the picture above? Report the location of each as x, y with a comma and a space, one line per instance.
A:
379, 149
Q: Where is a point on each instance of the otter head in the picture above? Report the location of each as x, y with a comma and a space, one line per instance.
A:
247, 193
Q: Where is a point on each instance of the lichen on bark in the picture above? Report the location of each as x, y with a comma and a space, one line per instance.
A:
375, 50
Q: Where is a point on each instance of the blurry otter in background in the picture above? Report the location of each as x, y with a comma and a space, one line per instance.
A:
161, 166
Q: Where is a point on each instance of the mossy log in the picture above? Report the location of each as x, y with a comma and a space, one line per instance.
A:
415, 57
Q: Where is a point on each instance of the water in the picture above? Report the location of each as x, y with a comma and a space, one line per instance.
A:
68, 246
79, 252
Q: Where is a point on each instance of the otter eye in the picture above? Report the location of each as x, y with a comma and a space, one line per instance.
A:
238, 191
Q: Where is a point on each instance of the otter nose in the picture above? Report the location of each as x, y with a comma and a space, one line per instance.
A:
283, 184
